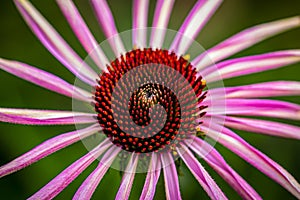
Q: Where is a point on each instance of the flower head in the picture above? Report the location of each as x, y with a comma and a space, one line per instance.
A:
145, 105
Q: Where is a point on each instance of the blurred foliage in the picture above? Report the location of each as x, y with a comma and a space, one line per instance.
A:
18, 43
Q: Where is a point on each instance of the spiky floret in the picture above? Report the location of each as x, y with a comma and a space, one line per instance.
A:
139, 108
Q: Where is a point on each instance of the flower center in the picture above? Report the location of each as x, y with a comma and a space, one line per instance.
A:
142, 115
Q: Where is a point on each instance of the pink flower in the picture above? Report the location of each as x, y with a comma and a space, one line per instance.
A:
155, 72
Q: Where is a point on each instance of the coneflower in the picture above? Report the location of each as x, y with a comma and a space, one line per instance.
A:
150, 98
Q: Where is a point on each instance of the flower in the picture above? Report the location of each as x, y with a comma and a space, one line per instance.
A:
168, 143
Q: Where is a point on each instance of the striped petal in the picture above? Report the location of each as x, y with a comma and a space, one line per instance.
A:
160, 22
44, 117
170, 177
208, 184
243, 40
151, 178
107, 23
257, 107
263, 126
83, 33
217, 162
90, 184
193, 24
61, 181
250, 64
128, 177
46, 148
44, 79
256, 158
266, 89
140, 22
55, 43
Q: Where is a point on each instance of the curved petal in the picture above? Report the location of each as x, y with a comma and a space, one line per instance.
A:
44, 79
161, 18
266, 89
107, 23
151, 178
46, 148
263, 126
208, 184
83, 33
170, 177
244, 39
256, 158
128, 177
61, 181
217, 162
44, 117
55, 43
193, 24
257, 107
140, 21
250, 64
90, 184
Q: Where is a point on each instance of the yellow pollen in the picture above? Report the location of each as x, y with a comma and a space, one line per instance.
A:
187, 56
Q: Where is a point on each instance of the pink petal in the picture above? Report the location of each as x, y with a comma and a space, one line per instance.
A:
160, 22
257, 107
151, 179
61, 181
216, 161
250, 64
208, 184
193, 24
90, 184
44, 117
140, 22
266, 89
55, 43
46, 148
44, 79
170, 177
107, 23
128, 177
243, 40
263, 126
83, 33
256, 158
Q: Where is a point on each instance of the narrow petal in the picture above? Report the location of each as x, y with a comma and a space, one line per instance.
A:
263, 126
46, 148
193, 24
55, 43
250, 64
151, 178
217, 162
257, 107
44, 79
243, 40
107, 23
90, 184
160, 22
83, 33
128, 177
140, 22
208, 184
61, 181
256, 158
170, 177
44, 117
266, 89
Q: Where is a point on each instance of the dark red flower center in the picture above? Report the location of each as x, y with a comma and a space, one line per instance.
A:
142, 115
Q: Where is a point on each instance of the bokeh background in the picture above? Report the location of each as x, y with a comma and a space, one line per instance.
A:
18, 43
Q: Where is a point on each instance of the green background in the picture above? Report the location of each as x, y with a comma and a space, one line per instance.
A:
18, 43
